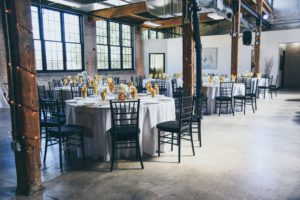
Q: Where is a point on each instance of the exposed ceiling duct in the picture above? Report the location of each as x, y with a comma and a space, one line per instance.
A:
172, 8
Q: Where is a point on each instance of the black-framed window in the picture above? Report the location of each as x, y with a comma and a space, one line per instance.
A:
156, 63
57, 40
114, 46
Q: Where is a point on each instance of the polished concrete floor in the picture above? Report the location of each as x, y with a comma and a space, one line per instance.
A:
256, 156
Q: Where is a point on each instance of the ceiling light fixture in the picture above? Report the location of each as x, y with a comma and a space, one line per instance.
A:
215, 16
153, 24
67, 3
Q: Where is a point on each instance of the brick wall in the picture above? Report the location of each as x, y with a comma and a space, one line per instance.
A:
89, 55
3, 66
90, 60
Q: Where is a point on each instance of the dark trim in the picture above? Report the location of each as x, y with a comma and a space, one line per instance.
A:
164, 68
62, 41
121, 46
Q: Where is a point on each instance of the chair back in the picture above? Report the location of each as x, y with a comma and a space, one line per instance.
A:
75, 91
248, 85
161, 83
269, 80
186, 111
42, 92
254, 86
55, 95
125, 114
122, 82
226, 89
51, 109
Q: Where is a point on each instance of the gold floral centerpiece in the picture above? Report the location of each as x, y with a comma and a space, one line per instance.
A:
104, 94
84, 92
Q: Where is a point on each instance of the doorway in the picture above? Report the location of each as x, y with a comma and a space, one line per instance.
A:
290, 65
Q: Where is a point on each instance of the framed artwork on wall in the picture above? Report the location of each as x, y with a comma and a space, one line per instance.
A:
209, 58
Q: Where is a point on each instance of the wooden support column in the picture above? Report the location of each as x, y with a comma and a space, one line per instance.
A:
139, 52
258, 37
188, 50
23, 95
236, 7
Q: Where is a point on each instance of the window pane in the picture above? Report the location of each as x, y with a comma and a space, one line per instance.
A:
126, 35
54, 55
102, 57
51, 22
152, 34
145, 34
160, 35
115, 57
72, 30
73, 52
127, 58
156, 63
114, 33
101, 32
38, 55
35, 22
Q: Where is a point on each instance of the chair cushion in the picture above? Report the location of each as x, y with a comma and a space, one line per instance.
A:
65, 130
223, 98
52, 122
168, 126
239, 97
250, 95
125, 133
172, 126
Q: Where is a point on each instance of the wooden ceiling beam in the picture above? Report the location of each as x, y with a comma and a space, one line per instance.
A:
173, 22
120, 11
138, 17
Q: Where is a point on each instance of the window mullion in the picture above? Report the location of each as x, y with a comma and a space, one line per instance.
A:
121, 45
108, 44
41, 28
62, 25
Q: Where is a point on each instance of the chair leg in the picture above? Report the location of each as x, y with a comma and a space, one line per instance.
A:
252, 105
158, 143
227, 107
192, 142
139, 152
244, 101
199, 132
232, 108
220, 106
179, 146
255, 100
264, 93
112, 156
60, 153
46, 146
82, 146
172, 143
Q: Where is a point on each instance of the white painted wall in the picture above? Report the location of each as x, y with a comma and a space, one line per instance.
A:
270, 42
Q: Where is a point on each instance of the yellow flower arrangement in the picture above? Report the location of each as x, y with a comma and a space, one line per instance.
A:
233, 77
84, 91
111, 87
133, 92
103, 94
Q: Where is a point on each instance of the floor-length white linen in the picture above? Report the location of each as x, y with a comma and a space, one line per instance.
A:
213, 90
97, 120
3, 102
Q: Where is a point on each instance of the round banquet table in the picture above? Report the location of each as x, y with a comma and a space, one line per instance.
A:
95, 116
213, 90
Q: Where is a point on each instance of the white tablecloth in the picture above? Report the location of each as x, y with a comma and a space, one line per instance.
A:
168, 85
96, 119
3, 102
213, 90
